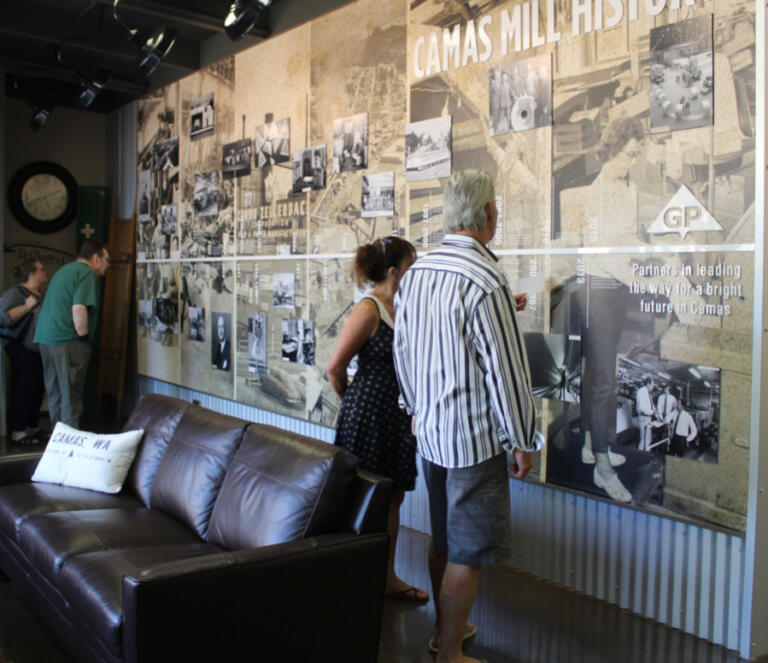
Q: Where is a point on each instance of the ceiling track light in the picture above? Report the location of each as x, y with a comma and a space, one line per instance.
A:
41, 111
90, 86
154, 47
40, 114
243, 15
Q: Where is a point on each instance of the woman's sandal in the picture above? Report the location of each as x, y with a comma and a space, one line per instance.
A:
409, 594
470, 630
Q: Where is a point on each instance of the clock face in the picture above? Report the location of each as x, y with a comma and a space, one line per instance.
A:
44, 197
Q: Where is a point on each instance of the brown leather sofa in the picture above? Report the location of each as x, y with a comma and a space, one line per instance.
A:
230, 541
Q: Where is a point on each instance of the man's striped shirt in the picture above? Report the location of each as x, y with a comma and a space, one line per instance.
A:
460, 358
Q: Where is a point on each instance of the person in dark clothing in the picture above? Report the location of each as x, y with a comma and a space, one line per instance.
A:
19, 308
371, 424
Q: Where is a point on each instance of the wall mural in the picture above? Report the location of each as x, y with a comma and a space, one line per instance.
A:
622, 143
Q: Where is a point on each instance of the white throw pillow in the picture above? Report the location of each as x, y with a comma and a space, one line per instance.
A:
87, 460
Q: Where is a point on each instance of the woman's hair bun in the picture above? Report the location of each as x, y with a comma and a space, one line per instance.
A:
372, 261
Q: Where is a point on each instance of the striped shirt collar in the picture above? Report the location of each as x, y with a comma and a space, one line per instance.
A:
469, 242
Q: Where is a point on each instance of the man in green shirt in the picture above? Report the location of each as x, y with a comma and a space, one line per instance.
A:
65, 327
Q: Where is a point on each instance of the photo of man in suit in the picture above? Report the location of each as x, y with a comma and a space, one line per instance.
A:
221, 352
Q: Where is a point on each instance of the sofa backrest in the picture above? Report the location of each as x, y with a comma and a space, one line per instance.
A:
193, 467
158, 416
281, 487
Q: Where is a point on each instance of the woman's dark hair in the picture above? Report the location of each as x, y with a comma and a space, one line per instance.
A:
373, 260
21, 272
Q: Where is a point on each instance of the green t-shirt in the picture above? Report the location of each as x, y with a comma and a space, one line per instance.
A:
75, 283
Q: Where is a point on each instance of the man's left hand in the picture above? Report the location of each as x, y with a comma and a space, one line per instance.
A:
520, 301
522, 465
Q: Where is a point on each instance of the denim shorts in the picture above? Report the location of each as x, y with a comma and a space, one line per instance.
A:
470, 512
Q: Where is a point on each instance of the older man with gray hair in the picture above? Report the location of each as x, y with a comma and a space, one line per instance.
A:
464, 377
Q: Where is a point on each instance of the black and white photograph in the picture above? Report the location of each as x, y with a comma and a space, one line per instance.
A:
668, 407
166, 316
521, 95
196, 323
428, 149
201, 117
309, 166
272, 143
257, 343
350, 143
168, 219
298, 344
145, 313
165, 154
585, 451
221, 349
283, 290
208, 354
578, 458
378, 195
682, 75
158, 343
307, 343
145, 197
206, 194
555, 365
157, 285
175, 250
236, 159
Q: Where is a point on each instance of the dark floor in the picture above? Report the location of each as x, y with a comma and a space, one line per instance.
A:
519, 620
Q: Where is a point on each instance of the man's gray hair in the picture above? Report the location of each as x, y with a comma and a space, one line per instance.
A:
465, 196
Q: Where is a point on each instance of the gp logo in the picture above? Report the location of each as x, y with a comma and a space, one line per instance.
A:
683, 214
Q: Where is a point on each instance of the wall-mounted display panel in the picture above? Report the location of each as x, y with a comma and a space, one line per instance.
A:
621, 141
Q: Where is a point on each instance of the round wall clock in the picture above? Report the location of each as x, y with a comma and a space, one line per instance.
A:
43, 197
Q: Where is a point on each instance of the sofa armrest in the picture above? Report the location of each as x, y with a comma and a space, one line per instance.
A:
367, 504
18, 468
315, 599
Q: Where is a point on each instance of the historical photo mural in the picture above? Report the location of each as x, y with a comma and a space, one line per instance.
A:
622, 146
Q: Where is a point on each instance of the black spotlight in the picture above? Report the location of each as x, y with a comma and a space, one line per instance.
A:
243, 15
40, 115
154, 48
41, 110
90, 86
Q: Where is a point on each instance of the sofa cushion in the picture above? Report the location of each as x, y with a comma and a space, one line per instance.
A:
94, 461
92, 583
48, 540
20, 501
193, 467
280, 487
158, 416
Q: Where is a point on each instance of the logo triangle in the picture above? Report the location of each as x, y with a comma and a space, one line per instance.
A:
683, 214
